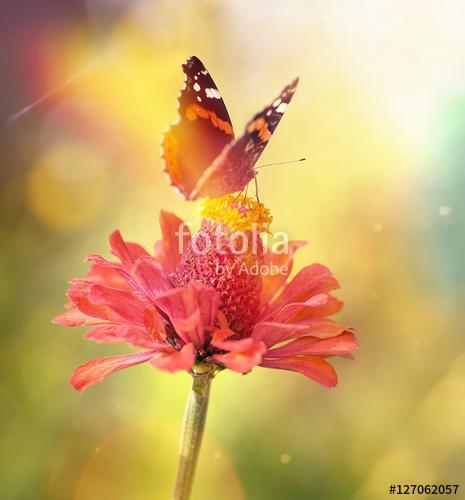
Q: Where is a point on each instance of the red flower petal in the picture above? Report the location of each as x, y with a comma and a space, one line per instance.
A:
300, 312
332, 306
192, 310
175, 238
343, 344
74, 317
154, 324
151, 276
112, 334
175, 361
78, 294
127, 253
136, 250
104, 274
130, 283
273, 333
242, 361
315, 368
310, 281
123, 303
288, 313
272, 283
96, 370
219, 340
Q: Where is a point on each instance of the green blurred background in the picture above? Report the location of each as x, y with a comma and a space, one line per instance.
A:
380, 115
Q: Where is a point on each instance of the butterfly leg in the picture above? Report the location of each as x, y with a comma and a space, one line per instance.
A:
240, 193
256, 188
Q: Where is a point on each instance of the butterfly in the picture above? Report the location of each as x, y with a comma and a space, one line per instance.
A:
200, 153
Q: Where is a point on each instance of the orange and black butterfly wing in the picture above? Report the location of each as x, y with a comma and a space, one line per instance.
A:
233, 169
201, 132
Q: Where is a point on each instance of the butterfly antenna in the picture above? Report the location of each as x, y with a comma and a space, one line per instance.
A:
280, 163
256, 189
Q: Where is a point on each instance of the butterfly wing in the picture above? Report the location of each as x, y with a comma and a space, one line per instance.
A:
201, 132
233, 169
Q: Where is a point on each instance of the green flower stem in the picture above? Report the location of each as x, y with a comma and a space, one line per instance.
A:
192, 432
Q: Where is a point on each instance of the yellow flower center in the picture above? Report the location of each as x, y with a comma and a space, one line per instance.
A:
238, 213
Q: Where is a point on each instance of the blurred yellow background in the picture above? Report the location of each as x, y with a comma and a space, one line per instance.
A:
380, 115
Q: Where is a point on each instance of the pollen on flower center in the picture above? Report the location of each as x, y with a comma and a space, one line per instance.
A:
239, 213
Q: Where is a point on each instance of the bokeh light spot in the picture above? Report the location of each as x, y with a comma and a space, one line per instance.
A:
68, 185
445, 210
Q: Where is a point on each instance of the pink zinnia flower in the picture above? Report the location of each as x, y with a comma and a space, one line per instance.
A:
208, 305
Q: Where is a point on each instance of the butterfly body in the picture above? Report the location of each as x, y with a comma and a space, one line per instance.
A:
200, 153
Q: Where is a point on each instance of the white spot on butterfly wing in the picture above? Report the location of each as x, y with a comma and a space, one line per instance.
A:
199, 98
276, 103
196, 87
249, 145
212, 93
281, 108
268, 113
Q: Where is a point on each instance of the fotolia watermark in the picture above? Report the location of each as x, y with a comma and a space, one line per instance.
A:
237, 242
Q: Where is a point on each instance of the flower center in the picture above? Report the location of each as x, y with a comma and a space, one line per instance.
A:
212, 258
239, 213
